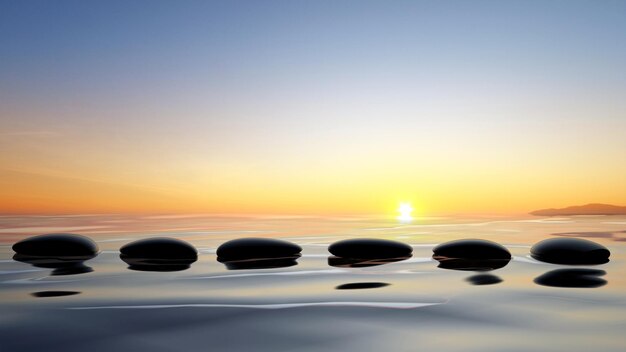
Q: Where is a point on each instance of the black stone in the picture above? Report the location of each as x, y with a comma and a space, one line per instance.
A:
471, 255
341, 262
159, 251
581, 278
65, 253
361, 285
58, 245
570, 251
471, 249
369, 248
256, 248
484, 279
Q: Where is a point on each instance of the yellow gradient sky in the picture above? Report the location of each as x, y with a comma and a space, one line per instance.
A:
312, 107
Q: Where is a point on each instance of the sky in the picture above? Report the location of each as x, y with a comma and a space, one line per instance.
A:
311, 107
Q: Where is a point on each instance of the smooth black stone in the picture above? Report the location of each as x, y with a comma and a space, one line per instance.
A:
361, 285
42, 294
570, 251
581, 278
370, 248
470, 249
269, 263
159, 251
58, 245
61, 265
361, 263
256, 248
471, 264
484, 279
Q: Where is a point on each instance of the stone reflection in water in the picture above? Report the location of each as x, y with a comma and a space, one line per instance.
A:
79, 268
42, 294
140, 264
471, 264
581, 278
361, 285
260, 263
61, 265
341, 262
484, 279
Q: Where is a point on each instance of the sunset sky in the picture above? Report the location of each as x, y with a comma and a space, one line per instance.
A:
312, 107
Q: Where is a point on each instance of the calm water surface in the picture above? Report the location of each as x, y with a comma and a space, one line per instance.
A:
403, 306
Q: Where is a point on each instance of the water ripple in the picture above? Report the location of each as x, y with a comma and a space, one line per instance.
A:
391, 305
7, 272
280, 273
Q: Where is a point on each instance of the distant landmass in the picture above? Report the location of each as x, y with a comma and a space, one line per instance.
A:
589, 209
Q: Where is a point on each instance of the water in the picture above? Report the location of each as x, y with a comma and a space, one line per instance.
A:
403, 306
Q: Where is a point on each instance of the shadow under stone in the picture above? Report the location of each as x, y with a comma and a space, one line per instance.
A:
42, 294
361, 285
484, 279
260, 263
582, 278
341, 262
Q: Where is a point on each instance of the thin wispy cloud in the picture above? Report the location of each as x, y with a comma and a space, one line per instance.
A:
34, 133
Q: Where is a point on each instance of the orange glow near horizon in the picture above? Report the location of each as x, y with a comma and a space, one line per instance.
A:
316, 193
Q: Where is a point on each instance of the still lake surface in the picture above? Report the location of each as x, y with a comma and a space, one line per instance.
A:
403, 306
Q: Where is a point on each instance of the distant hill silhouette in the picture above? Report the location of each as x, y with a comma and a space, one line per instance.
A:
588, 209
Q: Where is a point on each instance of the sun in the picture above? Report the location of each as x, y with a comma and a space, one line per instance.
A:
405, 211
